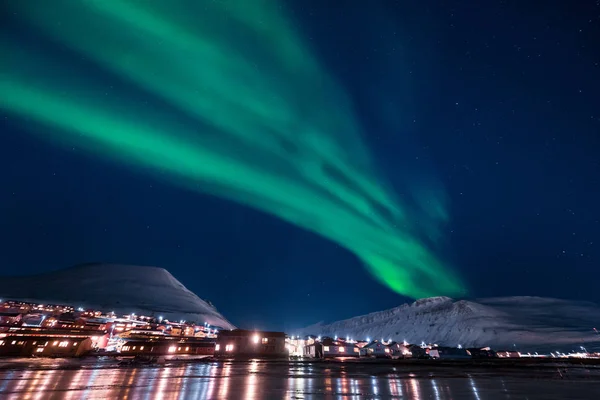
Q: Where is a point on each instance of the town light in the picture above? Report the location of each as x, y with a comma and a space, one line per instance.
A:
255, 339
460, 346
217, 347
369, 340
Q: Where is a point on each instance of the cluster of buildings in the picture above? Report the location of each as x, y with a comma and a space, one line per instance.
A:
31, 329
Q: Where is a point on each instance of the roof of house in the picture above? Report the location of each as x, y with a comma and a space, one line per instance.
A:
9, 314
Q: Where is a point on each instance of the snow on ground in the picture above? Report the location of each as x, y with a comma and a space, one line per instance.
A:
124, 289
505, 322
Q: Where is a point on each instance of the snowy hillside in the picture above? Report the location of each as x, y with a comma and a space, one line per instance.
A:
527, 322
110, 287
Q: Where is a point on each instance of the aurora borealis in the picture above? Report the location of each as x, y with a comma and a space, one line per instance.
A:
240, 107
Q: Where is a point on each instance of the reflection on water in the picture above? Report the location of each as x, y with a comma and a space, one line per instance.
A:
258, 380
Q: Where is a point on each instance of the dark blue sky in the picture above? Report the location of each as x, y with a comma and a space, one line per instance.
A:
499, 101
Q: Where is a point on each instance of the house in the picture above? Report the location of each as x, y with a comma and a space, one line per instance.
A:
508, 354
165, 346
331, 348
484, 352
376, 349
243, 343
449, 353
417, 351
399, 350
24, 342
10, 318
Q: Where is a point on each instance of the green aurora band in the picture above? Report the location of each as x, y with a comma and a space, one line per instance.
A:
249, 115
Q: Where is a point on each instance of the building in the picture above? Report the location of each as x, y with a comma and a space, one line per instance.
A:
449, 353
243, 343
376, 349
295, 346
331, 348
508, 354
399, 350
10, 318
484, 352
417, 351
25, 342
166, 346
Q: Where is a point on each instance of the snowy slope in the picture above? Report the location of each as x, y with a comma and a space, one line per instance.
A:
527, 322
112, 287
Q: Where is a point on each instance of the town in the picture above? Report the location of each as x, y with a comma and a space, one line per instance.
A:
48, 330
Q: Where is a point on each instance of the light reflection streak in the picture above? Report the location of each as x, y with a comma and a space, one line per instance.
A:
162, 383
74, 384
435, 389
211, 382
224, 381
393, 388
33, 384
251, 386
474, 388
44, 385
415, 390
374, 386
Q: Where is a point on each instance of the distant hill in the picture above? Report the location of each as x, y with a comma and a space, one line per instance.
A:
112, 287
502, 322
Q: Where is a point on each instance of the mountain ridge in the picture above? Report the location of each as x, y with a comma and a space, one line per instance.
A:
523, 321
115, 287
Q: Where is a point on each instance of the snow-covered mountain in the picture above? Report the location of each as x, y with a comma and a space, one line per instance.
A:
524, 322
111, 287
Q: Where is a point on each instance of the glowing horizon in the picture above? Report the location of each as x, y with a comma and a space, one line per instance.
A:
249, 115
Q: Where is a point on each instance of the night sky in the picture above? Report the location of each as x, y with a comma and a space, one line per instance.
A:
494, 108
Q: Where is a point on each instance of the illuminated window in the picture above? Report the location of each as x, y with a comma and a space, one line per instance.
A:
356, 350
265, 340
39, 349
229, 347
325, 348
14, 342
55, 343
134, 347
74, 344
125, 348
187, 349
172, 349
141, 347
217, 347
63, 344
1, 342
341, 349
387, 350
255, 339
179, 349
